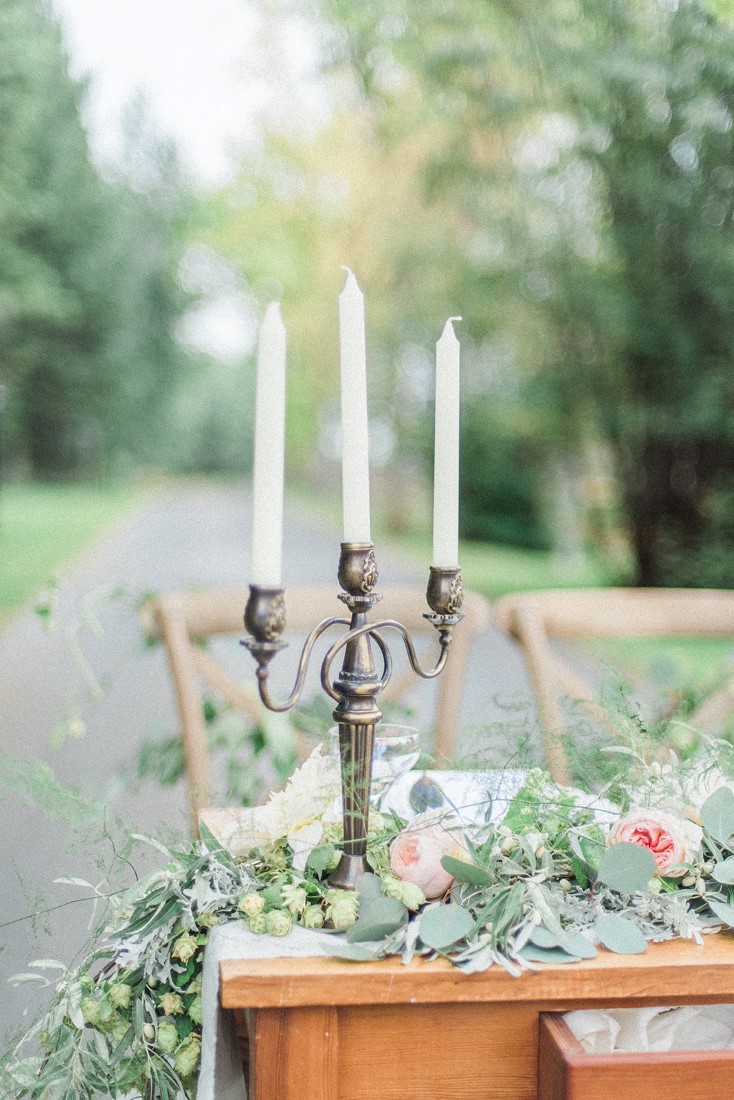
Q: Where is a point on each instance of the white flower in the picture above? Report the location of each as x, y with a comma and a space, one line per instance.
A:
243, 831
302, 841
296, 813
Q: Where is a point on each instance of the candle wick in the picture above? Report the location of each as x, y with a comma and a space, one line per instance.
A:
448, 328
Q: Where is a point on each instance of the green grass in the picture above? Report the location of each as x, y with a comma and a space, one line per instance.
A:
675, 664
43, 527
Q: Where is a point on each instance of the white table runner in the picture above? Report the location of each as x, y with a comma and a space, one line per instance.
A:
220, 1075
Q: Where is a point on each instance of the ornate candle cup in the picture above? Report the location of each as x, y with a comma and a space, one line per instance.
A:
265, 622
357, 569
445, 593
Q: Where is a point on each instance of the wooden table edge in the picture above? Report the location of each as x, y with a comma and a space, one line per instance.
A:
678, 970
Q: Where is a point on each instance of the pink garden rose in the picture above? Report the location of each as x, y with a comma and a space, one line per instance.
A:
416, 853
671, 839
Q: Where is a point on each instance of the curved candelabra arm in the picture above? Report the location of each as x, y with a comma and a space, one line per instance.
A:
340, 644
264, 651
444, 624
444, 638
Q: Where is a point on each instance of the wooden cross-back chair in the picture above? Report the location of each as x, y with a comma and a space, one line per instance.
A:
535, 618
182, 620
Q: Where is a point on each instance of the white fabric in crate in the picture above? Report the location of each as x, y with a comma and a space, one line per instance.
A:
632, 1030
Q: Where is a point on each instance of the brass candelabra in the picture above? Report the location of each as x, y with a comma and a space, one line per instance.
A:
357, 687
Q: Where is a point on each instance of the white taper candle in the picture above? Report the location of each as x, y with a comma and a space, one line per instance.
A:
267, 494
355, 450
446, 452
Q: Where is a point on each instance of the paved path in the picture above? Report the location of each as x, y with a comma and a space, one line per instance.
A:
191, 536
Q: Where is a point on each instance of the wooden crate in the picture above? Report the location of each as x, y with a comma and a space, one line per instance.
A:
567, 1072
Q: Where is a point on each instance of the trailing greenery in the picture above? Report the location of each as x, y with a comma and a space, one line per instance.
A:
559, 874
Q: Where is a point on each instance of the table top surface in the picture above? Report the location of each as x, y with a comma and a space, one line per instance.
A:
676, 972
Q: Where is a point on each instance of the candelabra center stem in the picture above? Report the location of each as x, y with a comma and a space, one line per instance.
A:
358, 685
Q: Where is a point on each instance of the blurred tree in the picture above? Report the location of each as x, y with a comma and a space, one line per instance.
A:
297, 213
588, 150
369, 190
30, 290
150, 224
87, 268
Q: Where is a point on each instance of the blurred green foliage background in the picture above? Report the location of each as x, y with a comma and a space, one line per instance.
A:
560, 174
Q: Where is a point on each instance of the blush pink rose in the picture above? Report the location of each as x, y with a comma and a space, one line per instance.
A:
671, 839
416, 853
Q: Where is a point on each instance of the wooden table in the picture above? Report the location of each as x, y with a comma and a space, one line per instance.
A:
325, 1029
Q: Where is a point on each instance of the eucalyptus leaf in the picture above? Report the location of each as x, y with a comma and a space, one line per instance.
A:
573, 943
578, 944
466, 872
320, 859
717, 814
369, 886
349, 951
378, 917
626, 867
723, 911
587, 853
723, 872
541, 937
547, 954
620, 935
443, 925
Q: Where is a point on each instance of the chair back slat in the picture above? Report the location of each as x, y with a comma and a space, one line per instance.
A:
534, 618
626, 613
